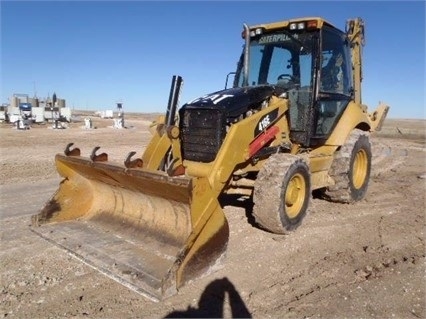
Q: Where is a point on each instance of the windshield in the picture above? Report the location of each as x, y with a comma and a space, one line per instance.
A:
281, 59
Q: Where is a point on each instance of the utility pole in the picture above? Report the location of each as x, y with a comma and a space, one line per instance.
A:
35, 91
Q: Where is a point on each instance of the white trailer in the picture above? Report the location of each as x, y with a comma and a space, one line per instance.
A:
37, 114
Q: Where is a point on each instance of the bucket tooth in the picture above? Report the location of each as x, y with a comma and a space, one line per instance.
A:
177, 171
103, 157
71, 152
135, 163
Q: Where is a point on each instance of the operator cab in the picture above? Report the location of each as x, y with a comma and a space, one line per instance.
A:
307, 61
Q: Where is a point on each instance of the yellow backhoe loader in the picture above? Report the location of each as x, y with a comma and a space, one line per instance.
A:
291, 123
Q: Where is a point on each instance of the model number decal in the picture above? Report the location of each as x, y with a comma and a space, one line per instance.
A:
265, 121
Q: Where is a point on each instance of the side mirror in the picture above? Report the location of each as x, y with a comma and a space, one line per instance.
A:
227, 78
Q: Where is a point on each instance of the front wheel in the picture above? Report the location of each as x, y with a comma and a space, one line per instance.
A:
281, 193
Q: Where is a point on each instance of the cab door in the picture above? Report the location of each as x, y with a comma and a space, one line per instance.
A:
302, 98
334, 85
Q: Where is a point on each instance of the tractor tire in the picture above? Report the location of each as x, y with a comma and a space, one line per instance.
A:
281, 193
351, 169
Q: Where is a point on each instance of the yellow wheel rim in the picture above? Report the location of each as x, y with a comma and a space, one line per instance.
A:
359, 169
295, 195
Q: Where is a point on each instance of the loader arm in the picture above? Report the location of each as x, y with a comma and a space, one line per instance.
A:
166, 133
237, 148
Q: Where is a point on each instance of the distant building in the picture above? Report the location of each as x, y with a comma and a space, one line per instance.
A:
37, 110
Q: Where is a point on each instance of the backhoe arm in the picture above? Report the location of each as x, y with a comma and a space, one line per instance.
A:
355, 32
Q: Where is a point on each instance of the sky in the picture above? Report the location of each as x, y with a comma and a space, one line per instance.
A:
94, 54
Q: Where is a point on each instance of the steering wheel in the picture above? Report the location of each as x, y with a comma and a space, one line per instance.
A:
286, 77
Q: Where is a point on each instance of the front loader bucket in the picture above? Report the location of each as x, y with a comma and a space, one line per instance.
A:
150, 232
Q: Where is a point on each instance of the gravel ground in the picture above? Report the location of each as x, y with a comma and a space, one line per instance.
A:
362, 260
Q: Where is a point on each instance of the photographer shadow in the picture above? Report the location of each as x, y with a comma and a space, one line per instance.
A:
212, 300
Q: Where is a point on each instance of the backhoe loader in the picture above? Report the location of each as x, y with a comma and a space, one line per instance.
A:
291, 123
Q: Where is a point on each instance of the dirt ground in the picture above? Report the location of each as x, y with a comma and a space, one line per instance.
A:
364, 260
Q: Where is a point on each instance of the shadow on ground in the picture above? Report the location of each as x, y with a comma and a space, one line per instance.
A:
212, 300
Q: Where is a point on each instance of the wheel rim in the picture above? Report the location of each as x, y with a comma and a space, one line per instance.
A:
359, 169
295, 195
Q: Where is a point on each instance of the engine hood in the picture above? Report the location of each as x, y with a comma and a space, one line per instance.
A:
234, 101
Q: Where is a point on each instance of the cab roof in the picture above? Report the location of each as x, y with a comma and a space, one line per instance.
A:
285, 23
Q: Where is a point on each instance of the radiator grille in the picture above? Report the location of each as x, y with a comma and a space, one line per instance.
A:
202, 133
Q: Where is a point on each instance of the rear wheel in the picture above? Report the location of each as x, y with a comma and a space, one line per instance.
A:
351, 169
281, 193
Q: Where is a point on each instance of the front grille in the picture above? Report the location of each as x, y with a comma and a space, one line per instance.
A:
202, 133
